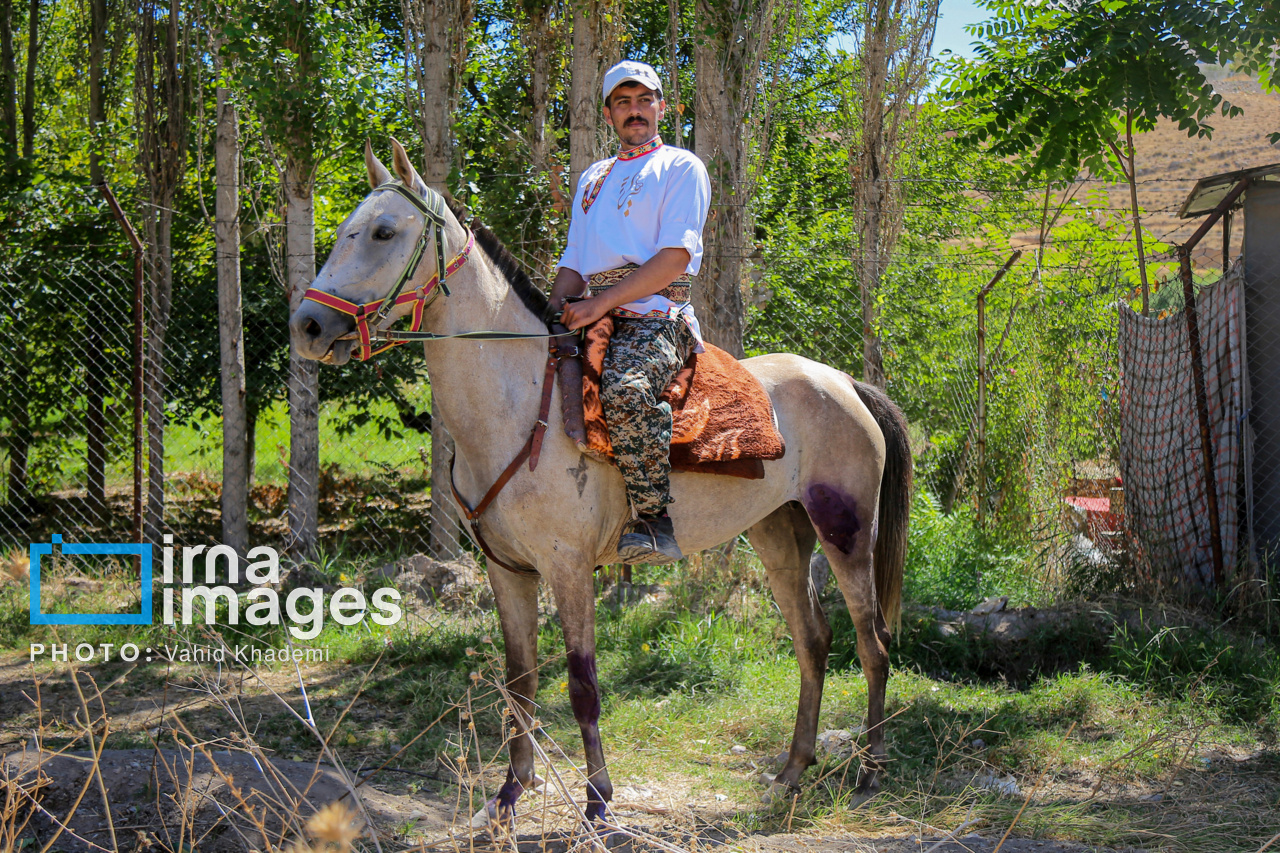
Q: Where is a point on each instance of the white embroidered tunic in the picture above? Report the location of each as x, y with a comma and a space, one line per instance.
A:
646, 203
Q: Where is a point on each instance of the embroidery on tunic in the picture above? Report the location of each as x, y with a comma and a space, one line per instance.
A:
589, 198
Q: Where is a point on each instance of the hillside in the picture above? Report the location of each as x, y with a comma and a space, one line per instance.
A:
1169, 163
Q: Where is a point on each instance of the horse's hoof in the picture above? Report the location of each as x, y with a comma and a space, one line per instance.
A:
865, 790
859, 797
601, 837
489, 817
779, 792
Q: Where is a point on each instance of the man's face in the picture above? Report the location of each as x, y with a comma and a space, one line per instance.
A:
634, 111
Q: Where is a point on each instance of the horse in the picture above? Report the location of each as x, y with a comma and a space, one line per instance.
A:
844, 479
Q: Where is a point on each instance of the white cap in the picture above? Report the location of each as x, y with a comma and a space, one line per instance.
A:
628, 71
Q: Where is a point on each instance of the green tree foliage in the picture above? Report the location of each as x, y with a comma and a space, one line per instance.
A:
1052, 80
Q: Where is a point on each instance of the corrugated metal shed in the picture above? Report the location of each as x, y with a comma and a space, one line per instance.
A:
1208, 192
1260, 425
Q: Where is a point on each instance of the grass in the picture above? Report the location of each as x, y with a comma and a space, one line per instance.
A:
952, 563
195, 449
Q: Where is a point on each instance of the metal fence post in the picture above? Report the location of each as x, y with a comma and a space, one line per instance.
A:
1197, 372
982, 384
1202, 412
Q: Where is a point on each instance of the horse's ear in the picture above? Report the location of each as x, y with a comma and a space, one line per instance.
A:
378, 174
404, 168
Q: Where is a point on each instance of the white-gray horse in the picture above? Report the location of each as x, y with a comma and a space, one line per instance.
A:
845, 479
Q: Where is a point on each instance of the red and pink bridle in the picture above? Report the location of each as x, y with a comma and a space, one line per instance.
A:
371, 315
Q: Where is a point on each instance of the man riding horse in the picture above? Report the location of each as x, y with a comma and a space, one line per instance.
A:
550, 514
635, 243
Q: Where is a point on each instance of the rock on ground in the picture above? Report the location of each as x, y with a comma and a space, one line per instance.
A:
450, 585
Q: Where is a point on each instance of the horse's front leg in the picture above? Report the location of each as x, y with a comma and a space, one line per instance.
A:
517, 600
574, 590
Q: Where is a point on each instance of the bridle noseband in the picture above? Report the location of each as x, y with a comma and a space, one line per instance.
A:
376, 313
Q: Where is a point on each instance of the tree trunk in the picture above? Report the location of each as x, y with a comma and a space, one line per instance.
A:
869, 190
673, 71
19, 427
304, 374
97, 107
437, 31
95, 421
251, 446
8, 81
544, 23
159, 256
235, 452
870, 263
29, 100
595, 48
160, 101
896, 39
1137, 217
446, 543
727, 55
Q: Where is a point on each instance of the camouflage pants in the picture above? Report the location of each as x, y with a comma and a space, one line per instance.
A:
643, 356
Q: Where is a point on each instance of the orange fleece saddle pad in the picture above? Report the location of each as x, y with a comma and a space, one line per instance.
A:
722, 419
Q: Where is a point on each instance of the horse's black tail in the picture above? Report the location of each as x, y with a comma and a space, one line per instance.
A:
895, 501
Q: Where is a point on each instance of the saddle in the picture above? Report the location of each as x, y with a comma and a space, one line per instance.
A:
722, 419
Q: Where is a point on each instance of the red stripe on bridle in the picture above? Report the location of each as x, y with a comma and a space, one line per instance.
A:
420, 297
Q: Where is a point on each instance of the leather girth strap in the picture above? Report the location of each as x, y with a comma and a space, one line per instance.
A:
531, 450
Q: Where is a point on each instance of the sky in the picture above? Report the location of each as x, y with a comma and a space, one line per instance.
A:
953, 16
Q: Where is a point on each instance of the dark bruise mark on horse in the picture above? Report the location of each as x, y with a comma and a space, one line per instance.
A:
835, 514
579, 473
584, 688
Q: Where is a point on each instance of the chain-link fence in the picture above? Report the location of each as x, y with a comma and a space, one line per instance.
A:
67, 394
1021, 402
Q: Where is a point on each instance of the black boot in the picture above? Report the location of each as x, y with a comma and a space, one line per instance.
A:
649, 539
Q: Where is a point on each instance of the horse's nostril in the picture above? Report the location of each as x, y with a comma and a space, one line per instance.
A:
312, 329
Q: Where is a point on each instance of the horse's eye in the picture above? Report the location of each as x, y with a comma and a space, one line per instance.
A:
384, 232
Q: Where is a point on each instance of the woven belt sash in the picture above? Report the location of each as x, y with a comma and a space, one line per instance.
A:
678, 291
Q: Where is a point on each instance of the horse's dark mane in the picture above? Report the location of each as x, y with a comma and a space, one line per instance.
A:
530, 294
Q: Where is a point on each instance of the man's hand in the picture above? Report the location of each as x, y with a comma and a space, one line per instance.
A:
584, 312
646, 280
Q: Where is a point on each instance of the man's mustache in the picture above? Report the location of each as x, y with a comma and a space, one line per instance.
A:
636, 120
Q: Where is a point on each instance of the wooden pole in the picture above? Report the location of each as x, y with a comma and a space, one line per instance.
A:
138, 355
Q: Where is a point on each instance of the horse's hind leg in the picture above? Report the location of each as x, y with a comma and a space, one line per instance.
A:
847, 530
784, 542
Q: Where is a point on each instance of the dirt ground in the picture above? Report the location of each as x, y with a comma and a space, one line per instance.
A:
189, 800
200, 798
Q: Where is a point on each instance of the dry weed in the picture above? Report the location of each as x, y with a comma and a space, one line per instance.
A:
336, 827
14, 566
